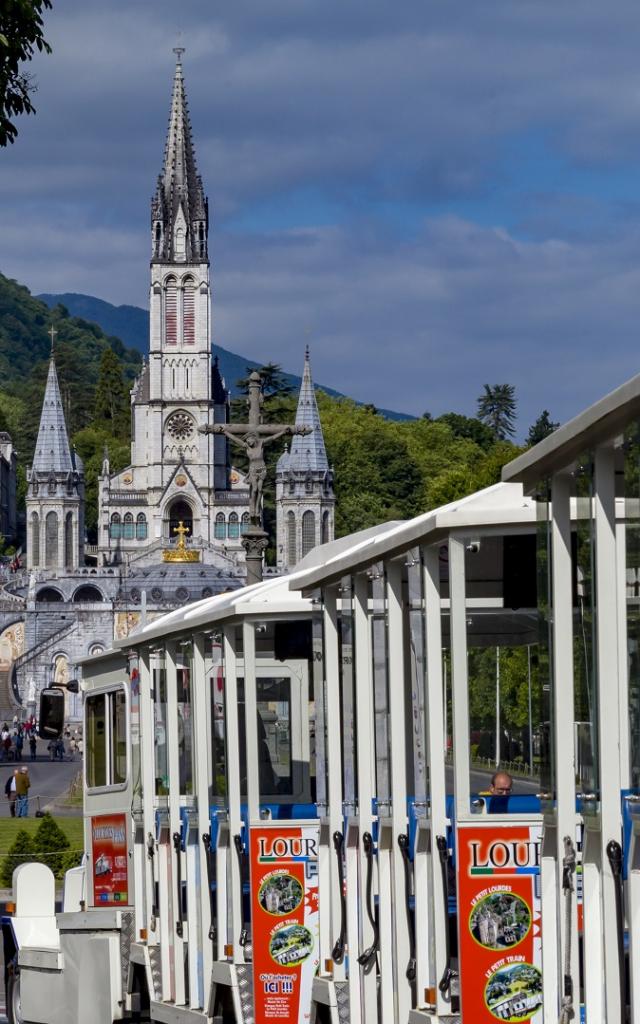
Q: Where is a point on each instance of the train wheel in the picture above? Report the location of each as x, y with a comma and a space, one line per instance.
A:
14, 1006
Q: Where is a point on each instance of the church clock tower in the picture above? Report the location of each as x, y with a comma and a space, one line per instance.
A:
177, 472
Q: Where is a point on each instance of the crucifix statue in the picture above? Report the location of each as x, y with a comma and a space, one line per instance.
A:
253, 436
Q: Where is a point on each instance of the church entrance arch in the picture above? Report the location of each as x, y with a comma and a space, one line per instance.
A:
180, 511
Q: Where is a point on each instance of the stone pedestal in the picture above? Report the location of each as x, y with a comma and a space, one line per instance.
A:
254, 542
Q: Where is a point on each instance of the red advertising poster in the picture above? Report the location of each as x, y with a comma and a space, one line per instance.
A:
284, 920
498, 872
109, 861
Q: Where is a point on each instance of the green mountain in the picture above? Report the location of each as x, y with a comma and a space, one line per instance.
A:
132, 325
25, 347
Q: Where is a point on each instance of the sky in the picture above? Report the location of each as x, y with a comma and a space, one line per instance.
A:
433, 195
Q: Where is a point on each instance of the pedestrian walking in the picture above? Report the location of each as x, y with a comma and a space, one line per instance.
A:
73, 746
51, 747
10, 792
23, 782
33, 743
19, 745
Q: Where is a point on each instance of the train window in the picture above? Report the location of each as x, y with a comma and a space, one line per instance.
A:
118, 737
218, 749
274, 735
185, 720
106, 732
96, 740
160, 734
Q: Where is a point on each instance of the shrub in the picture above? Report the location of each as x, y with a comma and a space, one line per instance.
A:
21, 851
51, 845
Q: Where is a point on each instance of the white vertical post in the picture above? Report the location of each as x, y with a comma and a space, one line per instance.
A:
251, 720
202, 725
147, 775
623, 657
564, 752
397, 661
334, 762
459, 676
173, 754
608, 724
365, 739
431, 955
233, 786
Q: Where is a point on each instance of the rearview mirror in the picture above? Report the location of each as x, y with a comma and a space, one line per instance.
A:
51, 718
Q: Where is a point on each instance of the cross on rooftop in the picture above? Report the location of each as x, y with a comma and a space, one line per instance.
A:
53, 334
178, 50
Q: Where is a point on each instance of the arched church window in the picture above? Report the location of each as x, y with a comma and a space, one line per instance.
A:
188, 315
68, 540
141, 526
220, 527
115, 527
171, 312
308, 532
325, 528
234, 526
35, 539
128, 527
51, 540
291, 540
246, 522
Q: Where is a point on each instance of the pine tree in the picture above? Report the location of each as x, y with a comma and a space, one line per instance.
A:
543, 426
50, 844
111, 403
21, 851
497, 408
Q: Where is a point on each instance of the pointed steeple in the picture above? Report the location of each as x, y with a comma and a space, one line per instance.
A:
179, 209
52, 454
307, 451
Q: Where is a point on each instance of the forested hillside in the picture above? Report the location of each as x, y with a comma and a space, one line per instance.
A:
384, 469
82, 351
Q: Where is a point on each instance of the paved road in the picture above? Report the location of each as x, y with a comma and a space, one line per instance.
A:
50, 780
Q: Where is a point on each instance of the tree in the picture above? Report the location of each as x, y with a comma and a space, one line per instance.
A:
497, 408
21, 34
469, 427
51, 844
111, 401
21, 851
274, 381
543, 426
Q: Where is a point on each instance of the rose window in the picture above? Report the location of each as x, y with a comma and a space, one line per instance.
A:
180, 426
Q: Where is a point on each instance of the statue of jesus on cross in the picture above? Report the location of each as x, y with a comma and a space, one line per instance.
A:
253, 436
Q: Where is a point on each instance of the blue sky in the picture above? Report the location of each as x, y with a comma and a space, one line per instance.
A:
434, 195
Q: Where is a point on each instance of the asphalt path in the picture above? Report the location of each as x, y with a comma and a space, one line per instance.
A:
50, 780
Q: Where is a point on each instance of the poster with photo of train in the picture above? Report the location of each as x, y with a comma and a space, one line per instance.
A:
498, 887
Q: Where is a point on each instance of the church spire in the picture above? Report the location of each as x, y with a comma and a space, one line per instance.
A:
179, 208
308, 451
52, 454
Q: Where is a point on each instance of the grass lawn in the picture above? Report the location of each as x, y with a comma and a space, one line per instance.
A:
9, 828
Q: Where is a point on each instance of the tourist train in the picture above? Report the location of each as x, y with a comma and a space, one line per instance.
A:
286, 783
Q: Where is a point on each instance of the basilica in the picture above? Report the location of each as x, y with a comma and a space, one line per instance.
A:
170, 524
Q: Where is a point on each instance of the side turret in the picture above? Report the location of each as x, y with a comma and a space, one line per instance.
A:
305, 498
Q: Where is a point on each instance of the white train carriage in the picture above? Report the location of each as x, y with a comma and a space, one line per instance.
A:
330, 738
